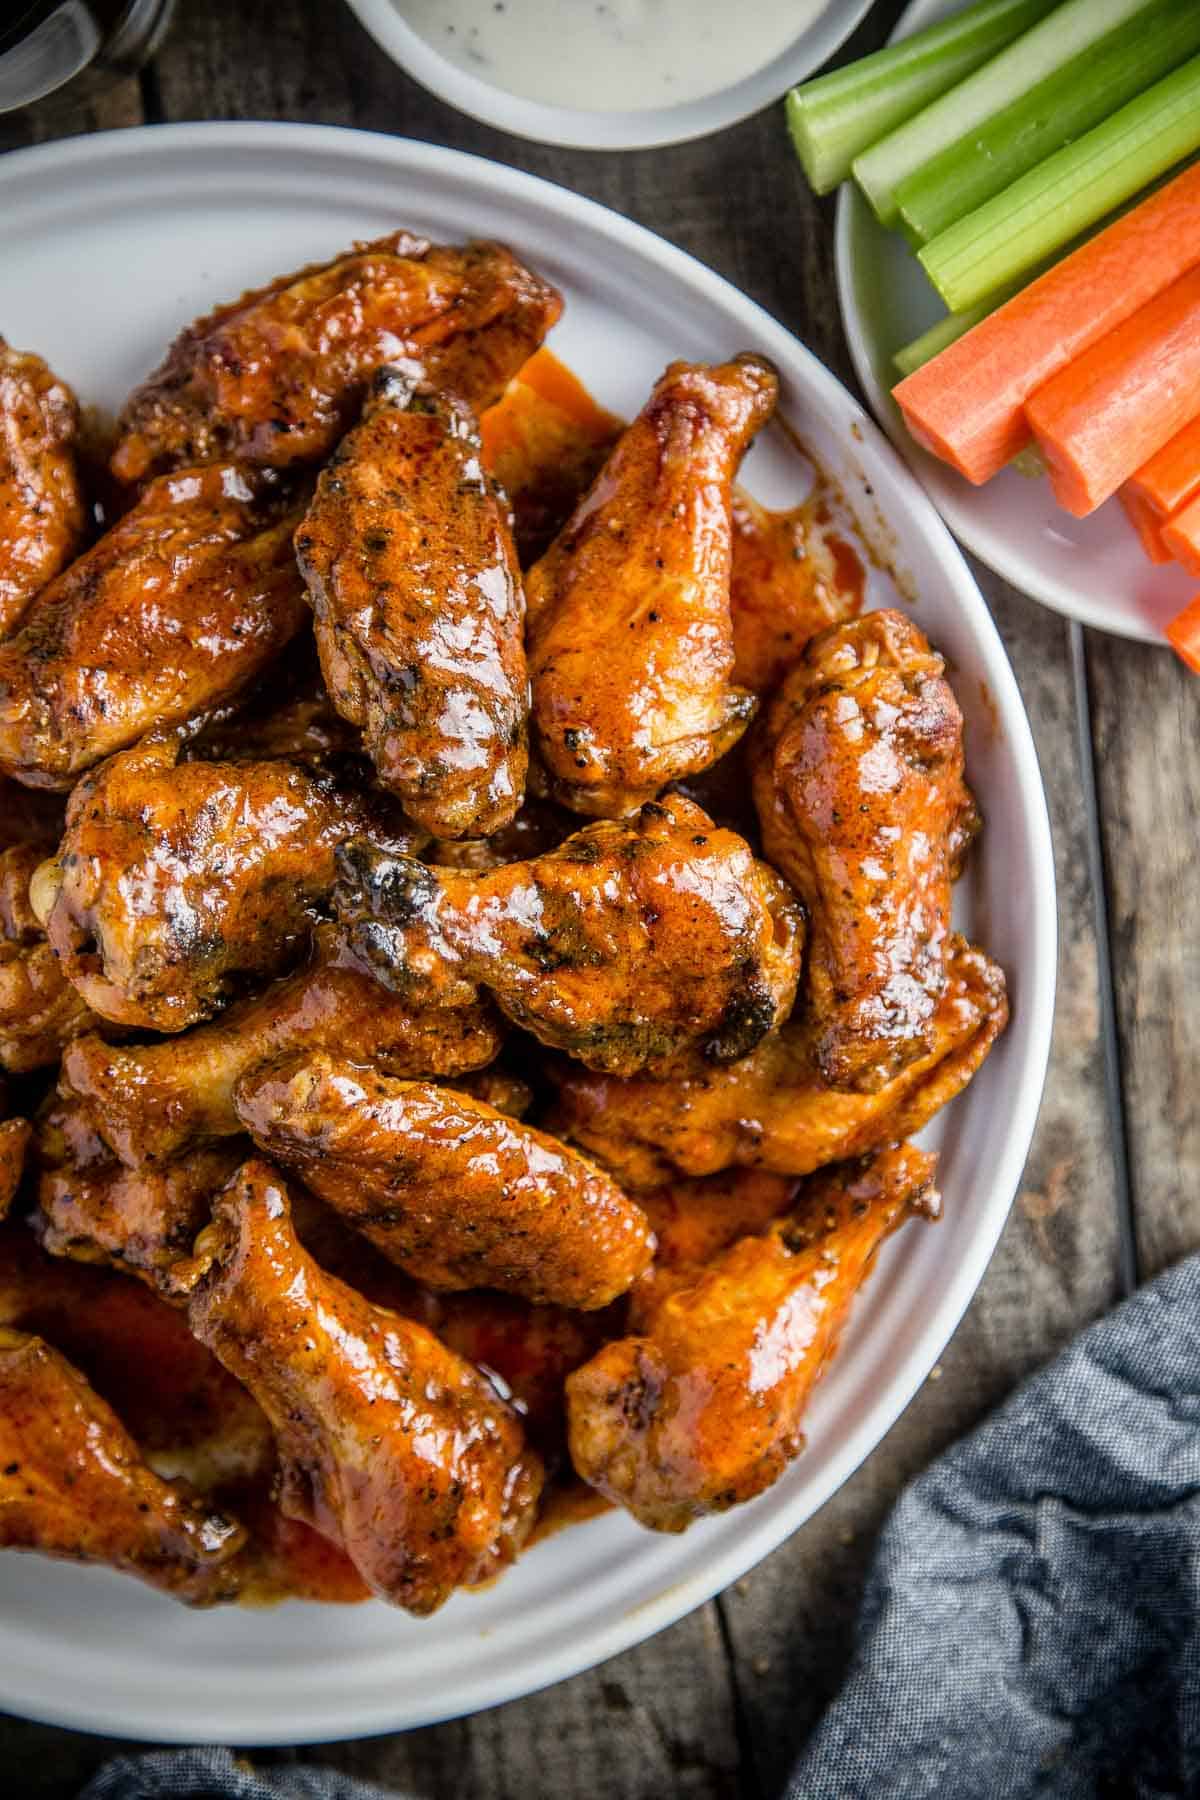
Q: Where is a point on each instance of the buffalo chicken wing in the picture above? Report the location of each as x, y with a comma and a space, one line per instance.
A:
42, 513
40, 1012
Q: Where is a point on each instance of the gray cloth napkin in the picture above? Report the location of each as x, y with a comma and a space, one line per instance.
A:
1031, 1624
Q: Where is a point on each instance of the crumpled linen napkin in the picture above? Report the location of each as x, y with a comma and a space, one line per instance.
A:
1031, 1624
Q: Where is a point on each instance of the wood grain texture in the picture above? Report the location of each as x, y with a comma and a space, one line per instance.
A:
1146, 724
667, 1718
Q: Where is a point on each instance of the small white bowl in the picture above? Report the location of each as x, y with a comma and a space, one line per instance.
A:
579, 129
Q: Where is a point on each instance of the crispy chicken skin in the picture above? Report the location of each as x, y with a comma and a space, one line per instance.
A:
14, 1141
174, 881
42, 513
275, 377
420, 614
40, 1012
792, 576
701, 1408
389, 1443
858, 779
773, 1110
73, 1484
152, 1102
630, 639
631, 944
175, 608
455, 1192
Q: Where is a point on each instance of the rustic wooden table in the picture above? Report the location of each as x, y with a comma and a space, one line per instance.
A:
717, 1705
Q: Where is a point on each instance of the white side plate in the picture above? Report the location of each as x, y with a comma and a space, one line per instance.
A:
113, 243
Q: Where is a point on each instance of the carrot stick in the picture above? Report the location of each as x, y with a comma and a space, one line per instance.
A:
1098, 419
1181, 535
1183, 634
1172, 474
1146, 523
967, 405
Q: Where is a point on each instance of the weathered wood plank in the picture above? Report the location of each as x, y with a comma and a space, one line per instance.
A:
1146, 721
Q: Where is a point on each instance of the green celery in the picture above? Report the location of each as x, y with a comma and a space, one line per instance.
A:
1067, 103
1071, 190
835, 116
1055, 40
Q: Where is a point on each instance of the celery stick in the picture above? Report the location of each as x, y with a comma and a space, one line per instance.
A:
1068, 192
1053, 41
835, 116
1075, 97
947, 331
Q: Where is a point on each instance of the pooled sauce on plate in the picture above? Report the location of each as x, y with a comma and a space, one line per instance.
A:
610, 55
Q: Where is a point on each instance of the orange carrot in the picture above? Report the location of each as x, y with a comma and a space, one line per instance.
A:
1146, 523
1097, 420
1183, 634
1181, 535
967, 404
1172, 474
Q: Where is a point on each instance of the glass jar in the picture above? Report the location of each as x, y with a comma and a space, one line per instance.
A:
68, 51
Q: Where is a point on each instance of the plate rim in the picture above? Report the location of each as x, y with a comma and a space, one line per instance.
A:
766, 1530
853, 223
575, 128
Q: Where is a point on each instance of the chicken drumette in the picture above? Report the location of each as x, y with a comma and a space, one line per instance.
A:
40, 1012
176, 880
455, 1192
275, 377
14, 1141
151, 1102
631, 944
859, 784
701, 1408
630, 640
73, 1484
389, 1443
420, 615
774, 1110
42, 513
175, 609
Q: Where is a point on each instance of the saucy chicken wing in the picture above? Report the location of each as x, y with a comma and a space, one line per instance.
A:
389, 1443
73, 1484
276, 377
175, 608
455, 1192
792, 575
40, 1012
631, 944
14, 1141
152, 1102
859, 784
42, 512
774, 1109
701, 1408
420, 615
630, 639
175, 881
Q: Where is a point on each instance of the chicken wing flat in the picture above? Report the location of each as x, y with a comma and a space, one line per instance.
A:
792, 575
40, 1012
774, 1110
630, 639
545, 441
702, 1408
455, 1192
276, 377
175, 608
14, 1141
73, 1484
859, 784
420, 614
389, 1443
152, 1102
175, 881
633, 943
42, 514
